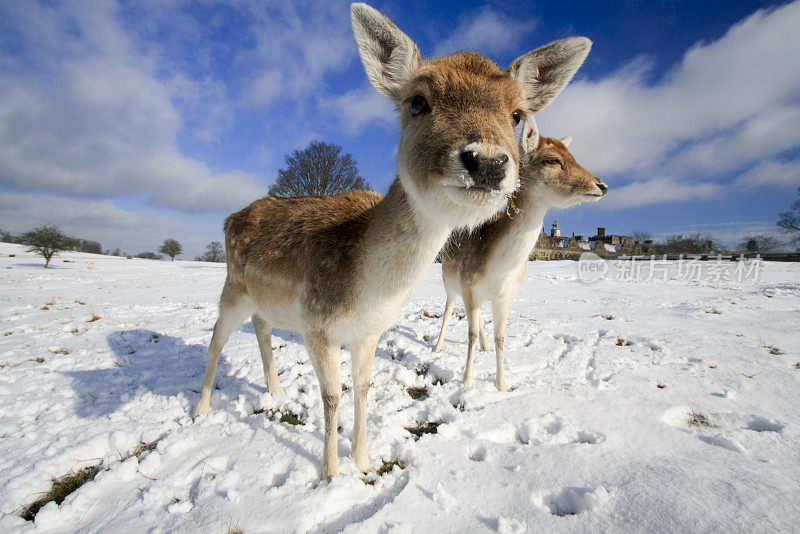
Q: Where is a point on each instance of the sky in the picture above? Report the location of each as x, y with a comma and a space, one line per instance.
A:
131, 122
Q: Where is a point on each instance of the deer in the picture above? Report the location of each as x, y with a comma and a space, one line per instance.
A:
488, 263
337, 269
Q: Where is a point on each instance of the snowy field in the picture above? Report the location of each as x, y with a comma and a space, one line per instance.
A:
636, 405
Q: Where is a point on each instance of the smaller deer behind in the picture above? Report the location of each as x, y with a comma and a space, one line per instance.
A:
489, 263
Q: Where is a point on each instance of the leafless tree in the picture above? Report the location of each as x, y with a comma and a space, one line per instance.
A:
789, 221
318, 170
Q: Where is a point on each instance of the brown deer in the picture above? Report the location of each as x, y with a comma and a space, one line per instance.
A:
338, 269
489, 262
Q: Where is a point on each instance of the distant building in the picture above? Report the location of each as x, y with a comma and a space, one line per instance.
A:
556, 247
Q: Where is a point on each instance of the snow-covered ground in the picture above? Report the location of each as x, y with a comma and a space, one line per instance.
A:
636, 405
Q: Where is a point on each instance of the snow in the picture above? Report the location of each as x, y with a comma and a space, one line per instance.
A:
634, 406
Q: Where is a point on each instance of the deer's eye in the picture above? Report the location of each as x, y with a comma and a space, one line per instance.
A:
516, 116
419, 105
552, 161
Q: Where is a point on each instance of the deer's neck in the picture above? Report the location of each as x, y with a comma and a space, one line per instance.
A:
519, 231
401, 242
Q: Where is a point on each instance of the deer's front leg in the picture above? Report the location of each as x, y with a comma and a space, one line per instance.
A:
500, 317
473, 317
362, 353
325, 358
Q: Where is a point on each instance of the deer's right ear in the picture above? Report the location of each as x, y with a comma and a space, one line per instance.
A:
529, 139
388, 55
546, 71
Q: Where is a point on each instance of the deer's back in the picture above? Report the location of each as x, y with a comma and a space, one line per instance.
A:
305, 251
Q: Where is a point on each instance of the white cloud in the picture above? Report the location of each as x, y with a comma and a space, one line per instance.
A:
730, 233
656, 191
486, 31
724, 106
296, 45
361, 108
96, 220
83, 113
771, 172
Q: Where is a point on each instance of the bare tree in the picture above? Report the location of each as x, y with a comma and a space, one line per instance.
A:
171, 248
640, 236
759, 243
789, 221
214, 253
318, 170
45, 240
695, 243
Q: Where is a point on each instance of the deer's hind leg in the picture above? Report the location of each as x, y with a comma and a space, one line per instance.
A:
448, 312
234, 307
264, 336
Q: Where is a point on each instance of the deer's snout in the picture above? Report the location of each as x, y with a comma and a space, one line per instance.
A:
485, 171
602, 186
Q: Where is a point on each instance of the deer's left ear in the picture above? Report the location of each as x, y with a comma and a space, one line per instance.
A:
529, 139
546, 71
566, 140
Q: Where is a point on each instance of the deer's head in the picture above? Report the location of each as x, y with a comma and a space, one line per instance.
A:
458, 157
550, 173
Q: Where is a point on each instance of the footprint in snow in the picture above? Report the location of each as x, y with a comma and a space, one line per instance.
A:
571, 500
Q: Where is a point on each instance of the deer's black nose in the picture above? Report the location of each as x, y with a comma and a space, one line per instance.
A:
484, 171
603, 187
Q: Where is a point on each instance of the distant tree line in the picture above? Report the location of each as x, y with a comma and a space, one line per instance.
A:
69, 243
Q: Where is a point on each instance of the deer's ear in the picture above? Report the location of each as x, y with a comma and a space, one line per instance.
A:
566, 140
388, 55
529, 139
546, 71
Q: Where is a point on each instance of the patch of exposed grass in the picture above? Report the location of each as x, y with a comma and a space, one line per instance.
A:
8, 333
62, 487
607, 317
772, 349
80, 302
659, 385
797, 365
700, 420
424, 428
36, 360
289, 417
422, 369
60, 350
93, 318
418, 393
429, 315
388, 466
713, 311
622, 343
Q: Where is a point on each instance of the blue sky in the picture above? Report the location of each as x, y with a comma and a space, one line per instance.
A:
131, 122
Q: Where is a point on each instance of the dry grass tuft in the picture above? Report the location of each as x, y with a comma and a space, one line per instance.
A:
700, 420
418, 393
775, 351
622, 343
62, 487
93, 318
424, 428
607, 317
429, 315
